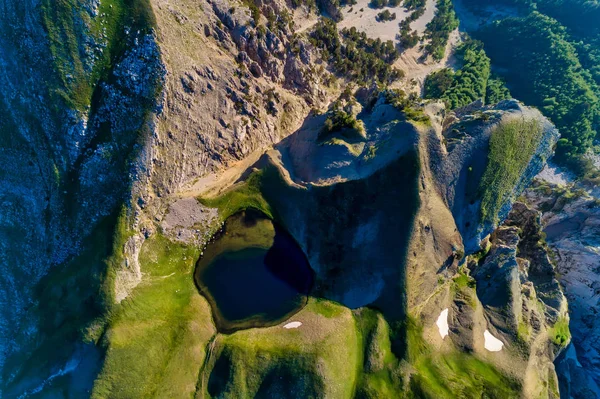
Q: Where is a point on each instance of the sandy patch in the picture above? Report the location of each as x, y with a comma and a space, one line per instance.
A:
417, 67
442, 323
293, 324
555, 175
366, 20
420, 24
492, 343
215, 183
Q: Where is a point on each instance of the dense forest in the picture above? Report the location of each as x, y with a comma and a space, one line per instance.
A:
471, 82
550, 58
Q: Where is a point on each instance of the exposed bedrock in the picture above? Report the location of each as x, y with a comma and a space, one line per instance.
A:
67, 169
479, 177
571, 220
523, 303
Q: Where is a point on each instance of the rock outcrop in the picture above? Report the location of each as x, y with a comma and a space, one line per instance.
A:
522, 300
461, 158
571, 220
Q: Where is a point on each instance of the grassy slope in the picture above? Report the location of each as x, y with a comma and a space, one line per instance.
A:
379, 376
512, 145
156, 338
453, 374
242, 196
320, 358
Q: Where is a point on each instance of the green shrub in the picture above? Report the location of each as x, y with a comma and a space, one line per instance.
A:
471, 81
438, 83
559, 333
378, 3
338, 120
356, 56
439, 29
386, 15
407, 104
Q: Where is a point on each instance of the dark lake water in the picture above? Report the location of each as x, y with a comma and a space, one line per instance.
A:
254, 274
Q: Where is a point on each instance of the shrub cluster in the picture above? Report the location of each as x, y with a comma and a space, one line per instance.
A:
470, 83
409, 38
355, 55
386, 15
406, 103
341, 119
439, 29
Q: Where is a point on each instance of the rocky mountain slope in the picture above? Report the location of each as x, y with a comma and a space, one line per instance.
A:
570, 217
131, 130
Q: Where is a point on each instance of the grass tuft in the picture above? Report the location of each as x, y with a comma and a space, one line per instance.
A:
560, 333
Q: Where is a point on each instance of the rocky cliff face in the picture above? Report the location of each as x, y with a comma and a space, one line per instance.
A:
570, 218
462, 159
67, 170
522, 299
382, 235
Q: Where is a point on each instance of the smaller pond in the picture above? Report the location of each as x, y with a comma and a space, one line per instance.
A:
253, 274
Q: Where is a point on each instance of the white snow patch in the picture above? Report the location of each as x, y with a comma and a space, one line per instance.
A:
293, 324
492, 343
442, 323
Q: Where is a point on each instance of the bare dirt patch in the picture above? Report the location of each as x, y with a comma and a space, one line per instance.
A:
189, 221
364, 19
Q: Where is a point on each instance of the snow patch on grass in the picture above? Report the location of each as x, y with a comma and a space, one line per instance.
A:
492, 343
293, 324
442, 323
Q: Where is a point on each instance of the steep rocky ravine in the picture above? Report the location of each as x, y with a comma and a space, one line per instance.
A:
157, 120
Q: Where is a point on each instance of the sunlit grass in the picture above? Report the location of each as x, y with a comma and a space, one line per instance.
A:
156, 338
512, 145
